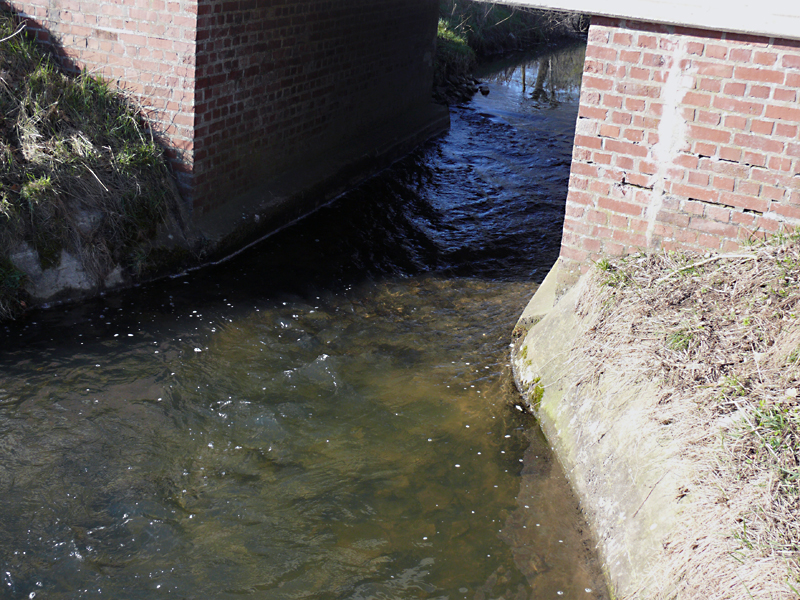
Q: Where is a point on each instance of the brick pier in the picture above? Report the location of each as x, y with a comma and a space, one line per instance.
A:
686, 139
260, 102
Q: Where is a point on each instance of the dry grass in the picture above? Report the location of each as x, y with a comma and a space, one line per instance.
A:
722, 336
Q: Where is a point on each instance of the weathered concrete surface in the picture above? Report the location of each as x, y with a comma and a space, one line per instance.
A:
542, 303
68, 276
626, 473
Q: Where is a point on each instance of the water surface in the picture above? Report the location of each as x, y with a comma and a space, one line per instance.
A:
328, 416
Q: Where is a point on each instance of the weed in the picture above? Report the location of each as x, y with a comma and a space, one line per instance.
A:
6, 208
37, 190
604, 265
794, 357
71, 145
614, 276
680, 340
743, 537
536, 392
732, 387
771, 424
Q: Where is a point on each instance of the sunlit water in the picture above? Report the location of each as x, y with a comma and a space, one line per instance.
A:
328, 416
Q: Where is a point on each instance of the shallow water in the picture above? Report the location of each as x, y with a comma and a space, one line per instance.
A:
329, 415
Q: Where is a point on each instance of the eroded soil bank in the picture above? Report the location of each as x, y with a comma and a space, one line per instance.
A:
668, 386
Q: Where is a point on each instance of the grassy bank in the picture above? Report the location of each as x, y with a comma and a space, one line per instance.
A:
79, 171
721, 336
471, 30
454, 56
494, 28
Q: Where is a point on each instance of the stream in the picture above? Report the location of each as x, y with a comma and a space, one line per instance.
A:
330, 414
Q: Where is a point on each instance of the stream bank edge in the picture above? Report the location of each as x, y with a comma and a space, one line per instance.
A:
627, 483
667, 384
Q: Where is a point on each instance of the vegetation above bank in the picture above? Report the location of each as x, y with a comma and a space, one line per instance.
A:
472, 30
721, 335
79, 170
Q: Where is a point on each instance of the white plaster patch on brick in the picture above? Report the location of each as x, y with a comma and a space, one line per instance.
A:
671, 134
586, 127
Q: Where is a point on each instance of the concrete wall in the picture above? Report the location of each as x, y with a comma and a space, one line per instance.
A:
686, 139
626, 471
249, 92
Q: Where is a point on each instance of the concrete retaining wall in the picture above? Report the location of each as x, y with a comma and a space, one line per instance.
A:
626, 473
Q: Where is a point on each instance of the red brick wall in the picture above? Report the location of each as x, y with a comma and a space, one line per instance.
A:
243, 89
685, 139
286, 80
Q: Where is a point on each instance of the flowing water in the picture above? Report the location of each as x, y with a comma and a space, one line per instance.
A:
330, 415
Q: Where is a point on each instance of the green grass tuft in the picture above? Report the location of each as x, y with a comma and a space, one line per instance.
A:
74, 150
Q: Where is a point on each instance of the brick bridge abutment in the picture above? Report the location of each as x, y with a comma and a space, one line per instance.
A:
686, 139
688, 133
687, 136
268, 108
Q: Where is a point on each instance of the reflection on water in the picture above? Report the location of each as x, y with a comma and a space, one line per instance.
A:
550, 78
328, 416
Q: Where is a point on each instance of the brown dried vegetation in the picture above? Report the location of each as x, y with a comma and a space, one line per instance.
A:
721, 335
